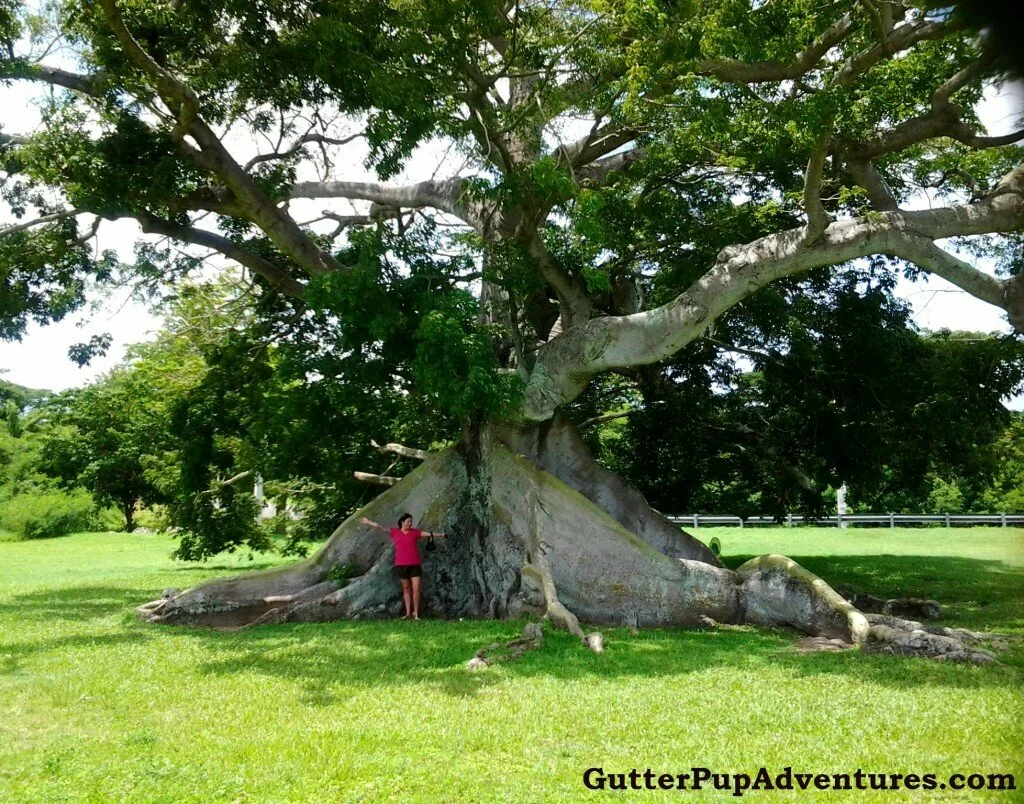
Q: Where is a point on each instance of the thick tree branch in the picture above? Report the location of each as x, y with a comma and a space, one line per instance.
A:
925, 254
444, 195
565, 364
572, 296
22, 70
179, 97
183, 101
607, 417
867, 176
900, 39
817, 217
401, 449
277, 278
598, 143
760, 72
378, 480
598, 172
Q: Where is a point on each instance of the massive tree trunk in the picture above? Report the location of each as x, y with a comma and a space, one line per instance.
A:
525, 504
536, 527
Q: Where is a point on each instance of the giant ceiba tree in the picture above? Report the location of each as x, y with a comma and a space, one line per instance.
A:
633, 174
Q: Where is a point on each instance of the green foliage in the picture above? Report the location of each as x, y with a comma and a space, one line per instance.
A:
396, 344
1006, 492
108, 431
45, 514
342, 573
944, 497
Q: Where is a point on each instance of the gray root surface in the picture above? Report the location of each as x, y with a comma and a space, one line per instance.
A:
536, 527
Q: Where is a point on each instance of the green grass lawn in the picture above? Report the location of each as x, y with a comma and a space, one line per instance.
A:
95, 705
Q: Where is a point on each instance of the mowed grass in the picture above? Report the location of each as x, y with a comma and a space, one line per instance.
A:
95, 705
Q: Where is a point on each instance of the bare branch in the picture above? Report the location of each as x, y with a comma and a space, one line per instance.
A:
925, 254
379, 480
19, 69
730, 347
56, 216
237, 478
305, 139
401, 449
607, 417
444, 195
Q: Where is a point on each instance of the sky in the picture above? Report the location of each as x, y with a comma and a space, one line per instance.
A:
40, 359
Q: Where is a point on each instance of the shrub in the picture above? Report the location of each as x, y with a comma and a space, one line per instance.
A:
109, 518
49, 513
152, 517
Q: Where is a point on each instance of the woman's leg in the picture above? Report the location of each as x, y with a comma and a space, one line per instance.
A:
407, 595
416, 597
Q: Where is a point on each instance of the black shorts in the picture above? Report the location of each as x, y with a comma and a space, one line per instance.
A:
407, 571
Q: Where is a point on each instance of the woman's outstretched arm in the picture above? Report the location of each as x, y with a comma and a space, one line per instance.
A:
373, 524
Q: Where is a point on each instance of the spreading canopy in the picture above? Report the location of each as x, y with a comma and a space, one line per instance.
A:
632, 172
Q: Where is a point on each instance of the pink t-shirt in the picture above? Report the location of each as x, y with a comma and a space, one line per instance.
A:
406, 552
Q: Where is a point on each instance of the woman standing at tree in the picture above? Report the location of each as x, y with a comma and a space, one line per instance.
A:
407, 559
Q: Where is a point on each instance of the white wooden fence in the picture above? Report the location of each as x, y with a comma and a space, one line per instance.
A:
892, 520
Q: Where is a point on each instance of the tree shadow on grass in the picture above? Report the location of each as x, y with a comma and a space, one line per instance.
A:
71, 604
254, 567
325, 659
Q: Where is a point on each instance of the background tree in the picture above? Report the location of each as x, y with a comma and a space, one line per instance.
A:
109, 431
635, 173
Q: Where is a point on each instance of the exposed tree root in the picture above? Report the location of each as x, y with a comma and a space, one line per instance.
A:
910, 638
430, 490
778, 591
556, 612
532, 638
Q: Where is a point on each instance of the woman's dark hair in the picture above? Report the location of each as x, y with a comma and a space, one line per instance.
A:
404, 517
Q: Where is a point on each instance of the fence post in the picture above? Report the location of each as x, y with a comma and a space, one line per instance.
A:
1002, 519
789, 520
696, 520
741, 521
892, 521
947, 520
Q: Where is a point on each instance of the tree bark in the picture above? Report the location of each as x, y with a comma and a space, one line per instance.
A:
534, 527
128, 506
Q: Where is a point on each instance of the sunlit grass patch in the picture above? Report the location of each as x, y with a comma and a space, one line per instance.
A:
98, 706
